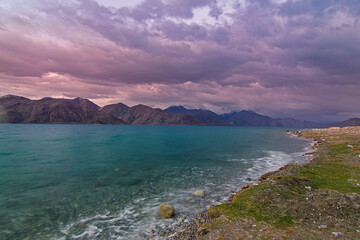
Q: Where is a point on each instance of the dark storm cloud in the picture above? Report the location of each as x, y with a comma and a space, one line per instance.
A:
308, 49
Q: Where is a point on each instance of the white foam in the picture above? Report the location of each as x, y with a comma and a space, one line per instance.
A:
91, 231
135, 220
238, 160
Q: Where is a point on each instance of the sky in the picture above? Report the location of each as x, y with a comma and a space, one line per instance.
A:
281, 58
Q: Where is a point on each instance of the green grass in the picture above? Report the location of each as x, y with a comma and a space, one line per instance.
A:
334, 176
335, 170
337, 149
248, 204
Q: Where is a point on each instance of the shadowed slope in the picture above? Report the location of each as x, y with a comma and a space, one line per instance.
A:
50, 110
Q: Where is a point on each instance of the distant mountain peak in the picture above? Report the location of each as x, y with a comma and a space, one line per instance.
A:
80, 98
349, 123
141, 106
8, 95
12, 96
249, 111
206, 116
85, 102
48, 99
176, 108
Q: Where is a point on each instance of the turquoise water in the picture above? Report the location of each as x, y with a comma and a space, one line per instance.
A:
106, 182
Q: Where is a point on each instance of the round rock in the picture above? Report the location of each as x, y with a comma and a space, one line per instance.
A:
199, 193
166, 210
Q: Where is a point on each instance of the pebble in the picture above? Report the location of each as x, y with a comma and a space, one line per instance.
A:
337, 234
322, 226
308, 188
350, 146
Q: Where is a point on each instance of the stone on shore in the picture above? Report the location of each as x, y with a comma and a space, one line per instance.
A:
199, 193
166, 210
337, 234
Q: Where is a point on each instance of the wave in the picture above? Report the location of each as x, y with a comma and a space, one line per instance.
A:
139, 220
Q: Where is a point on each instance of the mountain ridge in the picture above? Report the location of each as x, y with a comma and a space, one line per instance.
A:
242, 118
207, 116
348, 123
17, 109
144, 115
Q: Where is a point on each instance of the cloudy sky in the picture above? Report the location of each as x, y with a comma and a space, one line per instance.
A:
282, 58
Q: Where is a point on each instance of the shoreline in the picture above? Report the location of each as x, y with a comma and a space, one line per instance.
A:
210, 224
190, 230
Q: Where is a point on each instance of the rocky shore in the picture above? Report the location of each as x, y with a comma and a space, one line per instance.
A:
316, 200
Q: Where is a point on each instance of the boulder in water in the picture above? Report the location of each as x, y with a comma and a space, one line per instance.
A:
166, 210
199, 193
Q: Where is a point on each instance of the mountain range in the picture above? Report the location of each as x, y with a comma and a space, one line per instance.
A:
242, 118
348, 123
144, 115
16, 109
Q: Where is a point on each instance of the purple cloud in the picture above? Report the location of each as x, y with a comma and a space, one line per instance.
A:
255, 55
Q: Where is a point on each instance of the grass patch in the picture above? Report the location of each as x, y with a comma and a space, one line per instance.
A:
332, 176
256, 202
337, 149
